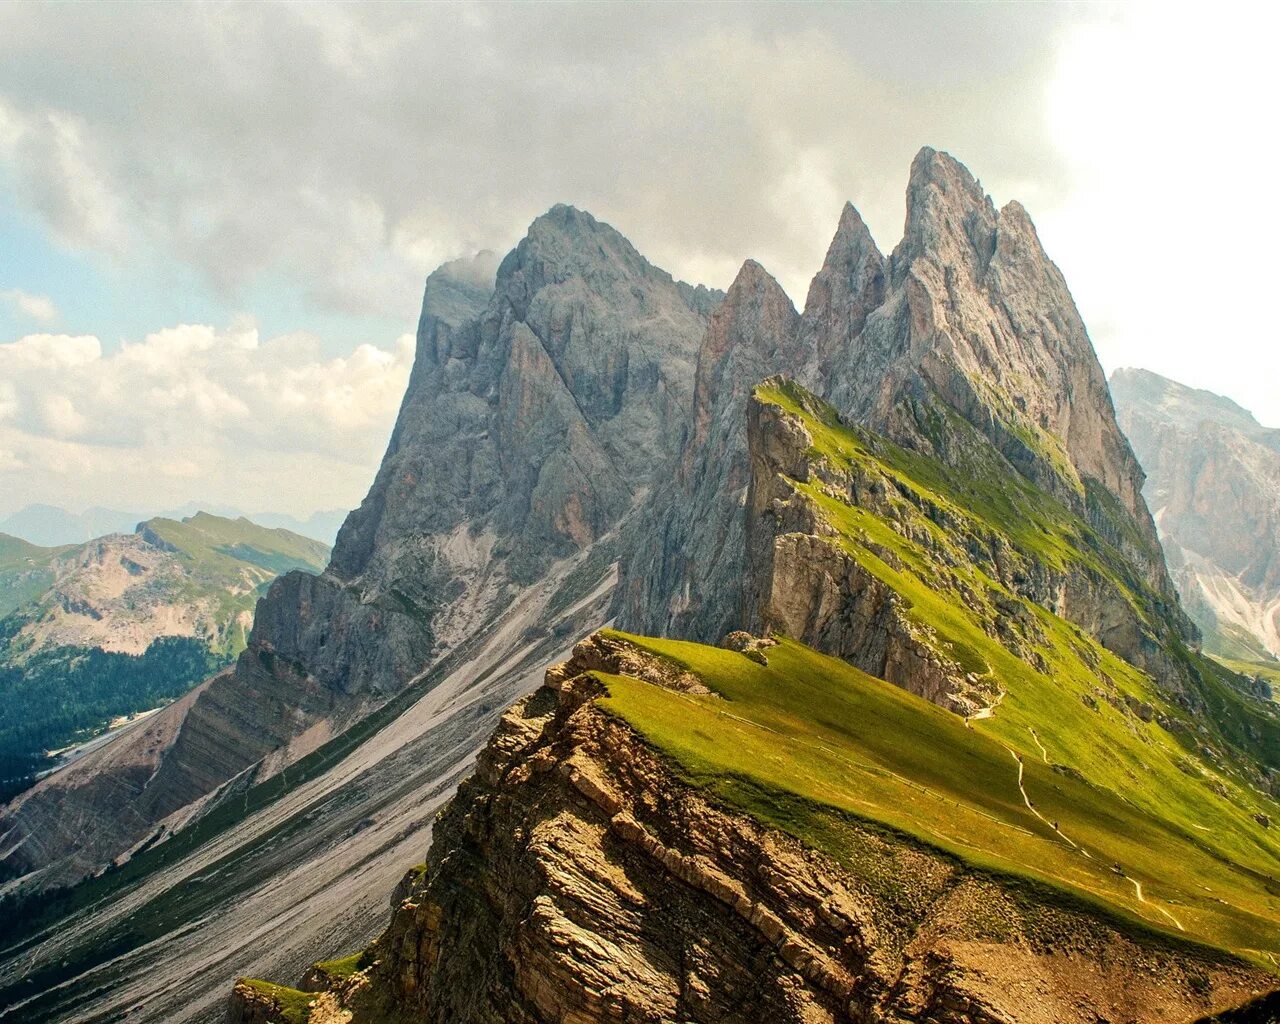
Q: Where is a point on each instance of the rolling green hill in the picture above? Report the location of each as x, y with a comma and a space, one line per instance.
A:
98, 631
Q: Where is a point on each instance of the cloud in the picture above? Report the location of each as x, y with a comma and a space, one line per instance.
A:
397, 137
37, 308
195, 412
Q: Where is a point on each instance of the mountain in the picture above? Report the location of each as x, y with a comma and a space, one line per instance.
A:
979, 772
1213, 481
963, 345
761, 832
541, 408
115, 626
50, 526
322, 525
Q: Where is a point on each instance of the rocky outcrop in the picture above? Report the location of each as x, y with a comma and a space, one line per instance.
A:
575, 878
803, 582
1213, 482
968, 322
686, 574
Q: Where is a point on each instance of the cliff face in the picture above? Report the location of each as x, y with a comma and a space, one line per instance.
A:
576, 877
685, 577
973, 533
542, 405
1213, 481
965, 346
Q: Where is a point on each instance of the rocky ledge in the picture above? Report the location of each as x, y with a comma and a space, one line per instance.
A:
576, 878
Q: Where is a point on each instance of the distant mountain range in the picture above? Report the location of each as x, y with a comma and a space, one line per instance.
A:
1213, 484
51, 526
90, 632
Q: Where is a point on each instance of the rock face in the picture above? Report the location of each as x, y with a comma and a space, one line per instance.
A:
575, 878
542, 405
967, 323
804, 584
685, 577
1213, 481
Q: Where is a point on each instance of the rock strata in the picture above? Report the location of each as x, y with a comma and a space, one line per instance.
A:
574, 878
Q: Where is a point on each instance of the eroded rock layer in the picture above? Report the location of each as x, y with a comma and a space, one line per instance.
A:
574, 878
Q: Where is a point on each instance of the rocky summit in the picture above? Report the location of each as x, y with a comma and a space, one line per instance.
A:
887, 708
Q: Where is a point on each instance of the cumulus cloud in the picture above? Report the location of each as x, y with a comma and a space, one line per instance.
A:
397, 137
195, 412
37, 308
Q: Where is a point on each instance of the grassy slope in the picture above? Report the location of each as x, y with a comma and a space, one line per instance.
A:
1174, 807
292, 1006
234, 560
816, 730
215, 544
25, 571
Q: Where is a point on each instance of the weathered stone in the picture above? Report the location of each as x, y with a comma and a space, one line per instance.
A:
1213, 482
550, 904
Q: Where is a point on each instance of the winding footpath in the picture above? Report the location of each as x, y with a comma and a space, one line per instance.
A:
1137, 886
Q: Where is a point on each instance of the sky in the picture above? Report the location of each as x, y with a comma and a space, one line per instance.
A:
215, 220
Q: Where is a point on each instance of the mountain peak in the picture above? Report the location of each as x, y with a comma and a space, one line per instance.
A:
756, 315
949, 216
566, 243
843, 293
936, 167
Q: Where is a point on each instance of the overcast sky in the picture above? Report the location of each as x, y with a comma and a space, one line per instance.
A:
215, 220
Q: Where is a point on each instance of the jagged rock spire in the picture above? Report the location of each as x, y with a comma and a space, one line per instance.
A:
850, 285
686, 573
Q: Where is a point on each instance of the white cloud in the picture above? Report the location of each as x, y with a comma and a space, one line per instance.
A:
37, 308
398, 137
195, 412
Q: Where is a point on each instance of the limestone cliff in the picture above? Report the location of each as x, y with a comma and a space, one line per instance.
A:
1213, 482
964, 345
803, 583
685, 576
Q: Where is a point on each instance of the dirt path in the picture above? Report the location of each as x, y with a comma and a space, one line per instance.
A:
987, 712
1032, 808
1043, 753
1137, 888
